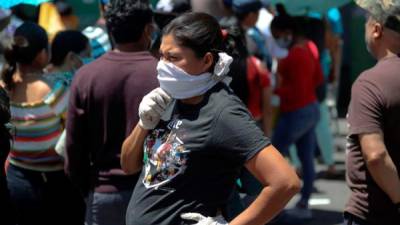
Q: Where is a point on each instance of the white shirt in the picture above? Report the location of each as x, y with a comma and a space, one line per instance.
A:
264, 24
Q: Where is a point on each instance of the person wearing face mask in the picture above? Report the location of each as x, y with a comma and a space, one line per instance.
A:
373, 156
102, 111
39, 188
69, 51
194, 136
299, 75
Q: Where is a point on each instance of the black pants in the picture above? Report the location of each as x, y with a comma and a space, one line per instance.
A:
44, 198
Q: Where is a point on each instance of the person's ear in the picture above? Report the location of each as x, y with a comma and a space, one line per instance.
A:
148, 30
377, 30
73, 61
42, 58
208, 61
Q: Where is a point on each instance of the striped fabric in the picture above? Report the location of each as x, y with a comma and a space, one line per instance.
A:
99, 40
38, 127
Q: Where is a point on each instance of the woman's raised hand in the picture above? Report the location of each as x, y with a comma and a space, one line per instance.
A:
152, 107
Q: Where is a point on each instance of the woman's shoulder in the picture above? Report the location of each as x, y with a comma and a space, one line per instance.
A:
222, 97
47, 91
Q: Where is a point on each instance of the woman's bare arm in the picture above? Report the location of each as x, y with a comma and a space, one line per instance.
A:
280, 185
132, 151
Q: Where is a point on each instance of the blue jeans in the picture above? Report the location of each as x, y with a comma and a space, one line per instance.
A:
298, 127
349, 219
250, 186
107, 208
44, 198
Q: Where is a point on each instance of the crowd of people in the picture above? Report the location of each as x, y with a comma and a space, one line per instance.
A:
169, 112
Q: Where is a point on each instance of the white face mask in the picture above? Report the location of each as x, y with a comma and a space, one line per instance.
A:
181, 85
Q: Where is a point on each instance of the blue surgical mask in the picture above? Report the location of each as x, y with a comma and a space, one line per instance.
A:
284, 42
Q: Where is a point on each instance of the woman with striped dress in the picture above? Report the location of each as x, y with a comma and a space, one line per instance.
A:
39, 188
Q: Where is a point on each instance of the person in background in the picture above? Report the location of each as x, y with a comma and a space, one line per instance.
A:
102, 111
35, 176
98, 35
215, 8
8, 218
373, 156
69, 51
203, 123
260, 91
266, 15
68, 18
317, 30
165, 12
299, 75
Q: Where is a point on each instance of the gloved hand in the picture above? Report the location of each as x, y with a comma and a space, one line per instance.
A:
152, 107
202, 220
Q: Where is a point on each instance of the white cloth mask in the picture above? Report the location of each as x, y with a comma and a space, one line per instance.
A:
181, 85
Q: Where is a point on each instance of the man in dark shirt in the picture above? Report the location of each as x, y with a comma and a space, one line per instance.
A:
104, 101
373, 148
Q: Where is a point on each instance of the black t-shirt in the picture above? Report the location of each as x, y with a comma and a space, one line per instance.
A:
193, 160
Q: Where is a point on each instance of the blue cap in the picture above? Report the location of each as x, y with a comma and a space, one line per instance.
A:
246, 6
104, 2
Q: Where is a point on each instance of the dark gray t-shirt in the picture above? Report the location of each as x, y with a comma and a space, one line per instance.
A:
193, 160
374, 108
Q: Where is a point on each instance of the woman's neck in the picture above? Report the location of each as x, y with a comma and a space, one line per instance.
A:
27, 73
299, 41
57, 69
193, 101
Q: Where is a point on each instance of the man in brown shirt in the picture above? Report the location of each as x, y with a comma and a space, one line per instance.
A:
103, 110
373, 148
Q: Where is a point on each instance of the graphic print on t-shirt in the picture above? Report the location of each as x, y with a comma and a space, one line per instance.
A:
166, 155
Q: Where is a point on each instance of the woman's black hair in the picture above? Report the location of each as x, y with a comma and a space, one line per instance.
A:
197, 31
65, 42
284, 21
29, 40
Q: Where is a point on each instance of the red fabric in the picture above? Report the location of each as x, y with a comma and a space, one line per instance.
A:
301, 74
257, 80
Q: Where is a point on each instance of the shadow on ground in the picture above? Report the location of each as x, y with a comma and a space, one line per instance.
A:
321, 217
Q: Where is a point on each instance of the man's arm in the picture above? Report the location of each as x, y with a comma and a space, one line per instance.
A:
380, 165
77, 162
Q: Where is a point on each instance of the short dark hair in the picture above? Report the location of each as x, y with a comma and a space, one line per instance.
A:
126, 19
65, 42
197, 31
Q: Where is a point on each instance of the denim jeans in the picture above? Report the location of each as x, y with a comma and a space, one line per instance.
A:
324, 139
107, 208
250, 186
298, 127
352, 220
44, 198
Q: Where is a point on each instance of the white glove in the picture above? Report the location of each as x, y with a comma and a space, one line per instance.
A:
202, 220
152, 107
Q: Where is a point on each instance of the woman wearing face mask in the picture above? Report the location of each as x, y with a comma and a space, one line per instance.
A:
69, 51
195, 135
39, 189
299, 74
